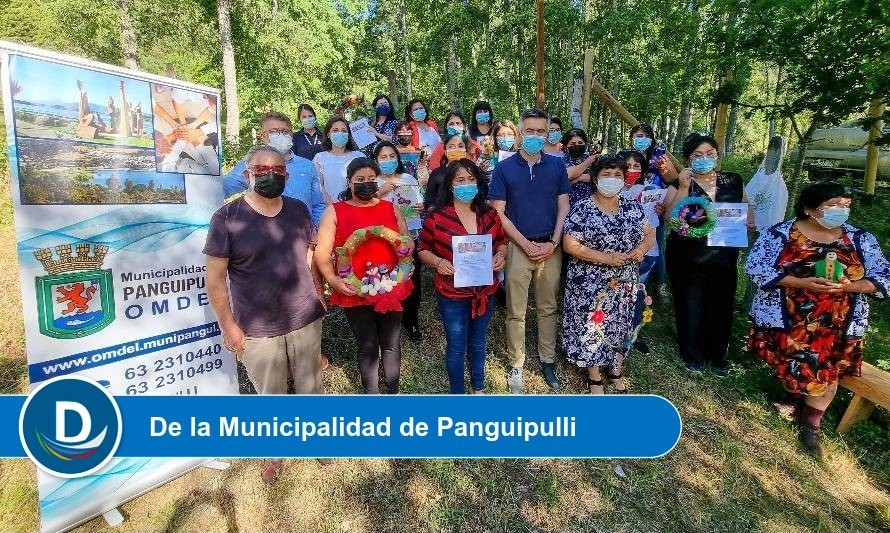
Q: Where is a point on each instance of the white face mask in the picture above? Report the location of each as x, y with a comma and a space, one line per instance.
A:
282, 142
609, 187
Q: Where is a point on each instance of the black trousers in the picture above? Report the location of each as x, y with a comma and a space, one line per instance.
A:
411, 304
704, 296
377, 336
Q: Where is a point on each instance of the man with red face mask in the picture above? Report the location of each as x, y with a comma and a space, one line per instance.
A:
271, 310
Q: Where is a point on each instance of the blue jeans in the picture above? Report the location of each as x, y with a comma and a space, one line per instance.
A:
647, 266
464, 336
660, 268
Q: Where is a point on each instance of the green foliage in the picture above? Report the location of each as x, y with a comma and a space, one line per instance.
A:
654, 56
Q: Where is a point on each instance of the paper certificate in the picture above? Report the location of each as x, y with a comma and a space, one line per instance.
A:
652, 196
732, 225
473, 262
360, 133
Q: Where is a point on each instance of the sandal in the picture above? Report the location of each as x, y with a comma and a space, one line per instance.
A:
594, 383
613, 378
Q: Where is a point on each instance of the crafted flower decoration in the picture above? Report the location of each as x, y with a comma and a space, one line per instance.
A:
693, 217
351, 107
627, 291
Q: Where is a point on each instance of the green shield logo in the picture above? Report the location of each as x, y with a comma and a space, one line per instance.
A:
72, 305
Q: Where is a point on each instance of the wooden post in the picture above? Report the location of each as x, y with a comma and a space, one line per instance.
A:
623, 114
540, 53
585, 91
876, 109
720, 120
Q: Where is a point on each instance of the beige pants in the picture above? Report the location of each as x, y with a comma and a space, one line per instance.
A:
521, 272
270, 360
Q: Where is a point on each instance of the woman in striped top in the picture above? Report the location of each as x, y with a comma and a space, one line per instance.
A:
466, 311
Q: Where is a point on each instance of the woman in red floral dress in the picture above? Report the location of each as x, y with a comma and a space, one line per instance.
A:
811, 311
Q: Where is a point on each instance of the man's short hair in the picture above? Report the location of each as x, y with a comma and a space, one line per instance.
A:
259, 149
533, 112
275, 115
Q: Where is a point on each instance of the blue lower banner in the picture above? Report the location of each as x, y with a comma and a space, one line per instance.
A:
356, 426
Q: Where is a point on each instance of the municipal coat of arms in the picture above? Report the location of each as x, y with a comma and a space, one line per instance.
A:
76, 299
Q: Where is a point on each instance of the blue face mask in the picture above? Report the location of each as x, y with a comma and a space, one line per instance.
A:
834, 217
383, 110
533, 143
308, 122
388, 167
466, 192
483, 117
642, 143
703, 165
454, 130
506, 142
419, 114
554, 137
339, 138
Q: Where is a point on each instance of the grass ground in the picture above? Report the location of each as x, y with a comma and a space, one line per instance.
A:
737, 467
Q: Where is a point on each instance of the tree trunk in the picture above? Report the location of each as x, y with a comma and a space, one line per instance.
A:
128, 38
233, 122
803, 139
683, 122
731, 128
393, 88
403, 22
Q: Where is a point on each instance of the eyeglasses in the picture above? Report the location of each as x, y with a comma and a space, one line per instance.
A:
280, 130
262, 170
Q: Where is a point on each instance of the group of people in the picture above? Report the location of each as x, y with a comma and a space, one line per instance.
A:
312, 222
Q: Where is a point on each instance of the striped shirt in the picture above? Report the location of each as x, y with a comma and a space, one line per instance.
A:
435, 237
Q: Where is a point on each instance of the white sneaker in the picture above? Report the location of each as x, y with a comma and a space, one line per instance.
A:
514, 380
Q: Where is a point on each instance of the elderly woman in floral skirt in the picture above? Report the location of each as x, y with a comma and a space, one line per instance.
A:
810, 313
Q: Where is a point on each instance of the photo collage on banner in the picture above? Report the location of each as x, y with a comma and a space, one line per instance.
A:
115, 175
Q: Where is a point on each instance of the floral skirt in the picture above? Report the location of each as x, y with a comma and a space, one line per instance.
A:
807, 362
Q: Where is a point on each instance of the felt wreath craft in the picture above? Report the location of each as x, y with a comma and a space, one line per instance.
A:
377, 262
628, 289
693, 217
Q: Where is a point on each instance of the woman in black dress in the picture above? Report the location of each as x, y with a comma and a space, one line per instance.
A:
703, 278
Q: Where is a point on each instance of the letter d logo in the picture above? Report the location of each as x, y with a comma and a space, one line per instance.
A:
86, 422
70, 426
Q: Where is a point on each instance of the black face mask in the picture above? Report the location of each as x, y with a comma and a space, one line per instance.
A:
365, 191
576, 150
404, 140
270, 185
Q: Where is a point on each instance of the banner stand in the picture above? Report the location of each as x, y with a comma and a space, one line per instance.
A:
115, 174
113, 517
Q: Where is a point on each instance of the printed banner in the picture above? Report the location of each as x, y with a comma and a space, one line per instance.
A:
383, 426
115, 175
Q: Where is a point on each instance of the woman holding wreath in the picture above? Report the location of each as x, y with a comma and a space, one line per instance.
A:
606, 236
466, 311
810, 313
371, 278
703, 278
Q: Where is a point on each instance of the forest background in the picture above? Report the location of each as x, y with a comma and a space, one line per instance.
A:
781, 66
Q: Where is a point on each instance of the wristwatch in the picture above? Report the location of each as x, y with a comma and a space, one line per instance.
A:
554, 243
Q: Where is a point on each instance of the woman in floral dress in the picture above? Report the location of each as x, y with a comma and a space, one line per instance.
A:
606, 236
811, 312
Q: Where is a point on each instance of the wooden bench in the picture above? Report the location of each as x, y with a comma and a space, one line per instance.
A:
870, 389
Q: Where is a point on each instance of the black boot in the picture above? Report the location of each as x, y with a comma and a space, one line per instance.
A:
811, 438
549, 370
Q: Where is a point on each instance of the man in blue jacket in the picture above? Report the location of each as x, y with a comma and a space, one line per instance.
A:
303, 184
